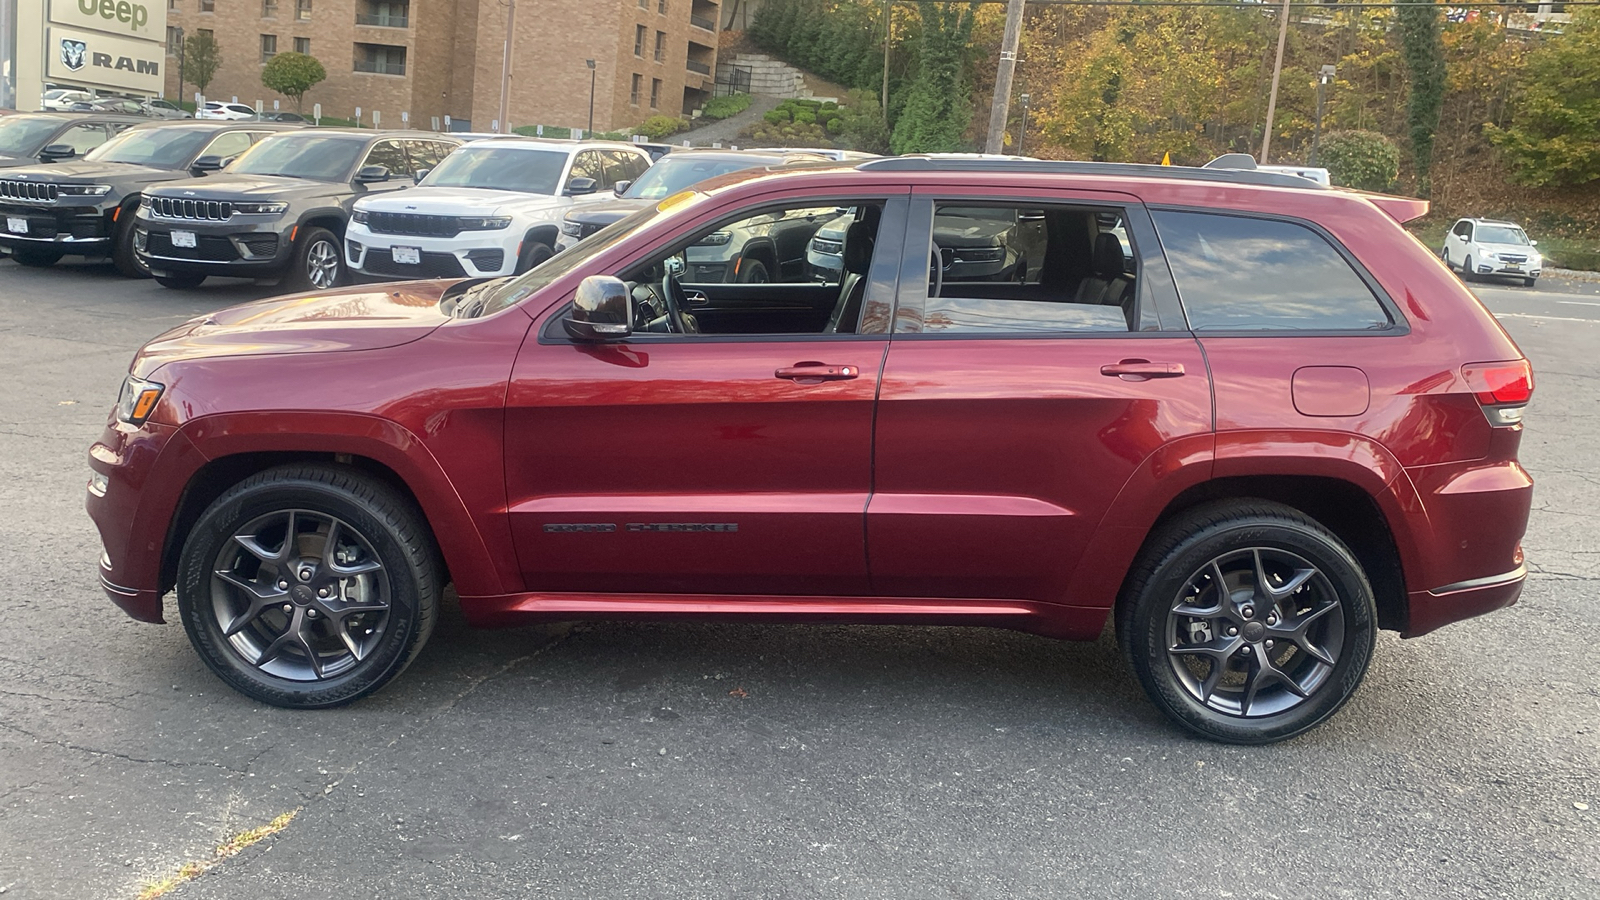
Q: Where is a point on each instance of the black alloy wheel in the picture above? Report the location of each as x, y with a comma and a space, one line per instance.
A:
1247, 622
533, 253
309, 586
753, 271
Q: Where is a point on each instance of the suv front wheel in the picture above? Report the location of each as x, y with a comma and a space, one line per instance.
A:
317, 263
1247, 622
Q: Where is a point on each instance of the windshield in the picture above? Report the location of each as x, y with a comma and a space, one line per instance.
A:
512, 292
1501, 234
164, 148
24, 135
670, 176
324, 157
500, 168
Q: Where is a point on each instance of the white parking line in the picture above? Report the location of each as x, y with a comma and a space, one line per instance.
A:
1579, 302
1546, 318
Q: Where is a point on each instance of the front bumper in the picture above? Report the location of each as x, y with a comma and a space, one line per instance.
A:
241, 249
1527, 269
75, 230
470, 254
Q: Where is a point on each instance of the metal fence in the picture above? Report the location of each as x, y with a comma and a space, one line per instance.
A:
732, 80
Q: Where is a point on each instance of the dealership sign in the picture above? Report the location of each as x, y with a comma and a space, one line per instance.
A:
100, 60
129, 18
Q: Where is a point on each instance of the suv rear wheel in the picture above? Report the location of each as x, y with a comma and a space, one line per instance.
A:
1247, 622
309, 586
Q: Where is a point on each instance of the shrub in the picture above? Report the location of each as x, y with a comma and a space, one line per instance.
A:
776, 116
657, 127
805, 117
719, 108
550, 131
834, 125
1364, 160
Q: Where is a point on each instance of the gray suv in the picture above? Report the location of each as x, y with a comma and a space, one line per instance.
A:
279, 212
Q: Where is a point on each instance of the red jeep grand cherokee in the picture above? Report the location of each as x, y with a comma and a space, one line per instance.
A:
1245, 415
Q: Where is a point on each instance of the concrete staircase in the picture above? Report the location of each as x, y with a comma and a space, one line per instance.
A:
772, 77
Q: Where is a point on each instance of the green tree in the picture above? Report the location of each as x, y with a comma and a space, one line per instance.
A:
1364, 160
1422, 48
292, 74
937, 107
201, 58
1554, 138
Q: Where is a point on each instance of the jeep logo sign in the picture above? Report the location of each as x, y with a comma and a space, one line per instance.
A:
145, 19
100, 60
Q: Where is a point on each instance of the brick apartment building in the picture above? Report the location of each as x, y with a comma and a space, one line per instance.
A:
432, 58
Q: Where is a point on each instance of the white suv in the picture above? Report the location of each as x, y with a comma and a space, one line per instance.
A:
1483, 247
492, 207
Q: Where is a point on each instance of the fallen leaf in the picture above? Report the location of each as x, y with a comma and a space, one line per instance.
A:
738, 692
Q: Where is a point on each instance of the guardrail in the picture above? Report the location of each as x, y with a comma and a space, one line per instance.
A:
383, 20
699, 68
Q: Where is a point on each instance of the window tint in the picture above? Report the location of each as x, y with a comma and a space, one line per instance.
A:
82, 138
228, 145
1235, 272
1011, 269
425, 154
624, 166
389, 155
1464, 229
589, 165
796, 270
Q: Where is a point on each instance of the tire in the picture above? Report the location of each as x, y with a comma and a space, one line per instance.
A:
1467, 270
317, 262
754, 271
36, 259
181, 281
322, 652
1332, 613
1444, 254
123, 256
533, 253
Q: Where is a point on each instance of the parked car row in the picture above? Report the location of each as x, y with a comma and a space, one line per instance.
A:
65, 100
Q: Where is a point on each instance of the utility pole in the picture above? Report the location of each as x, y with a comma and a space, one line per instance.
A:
1323, 77
1022, 134
888, 8
1277, 70
1002, 79
505, 68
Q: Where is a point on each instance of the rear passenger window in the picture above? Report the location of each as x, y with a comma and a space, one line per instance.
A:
1021, 269
1240, 273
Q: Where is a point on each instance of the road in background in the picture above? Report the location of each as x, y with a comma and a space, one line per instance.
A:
698, 760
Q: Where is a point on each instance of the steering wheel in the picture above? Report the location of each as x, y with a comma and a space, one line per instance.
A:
672, 293
938, 272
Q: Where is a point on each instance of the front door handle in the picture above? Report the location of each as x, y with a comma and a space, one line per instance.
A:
816, 372
1142, 370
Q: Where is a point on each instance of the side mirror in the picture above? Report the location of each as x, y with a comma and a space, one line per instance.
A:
57, 152
621, 187
581, 185
601, 311
207, 164
1533, 243
419, 175
372, 174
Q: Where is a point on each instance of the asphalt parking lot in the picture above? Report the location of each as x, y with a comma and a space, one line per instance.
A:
697, 760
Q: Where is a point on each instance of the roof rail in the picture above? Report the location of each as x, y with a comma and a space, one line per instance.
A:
1063, 167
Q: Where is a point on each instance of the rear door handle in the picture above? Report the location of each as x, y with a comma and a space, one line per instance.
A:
815, 372
1142, 369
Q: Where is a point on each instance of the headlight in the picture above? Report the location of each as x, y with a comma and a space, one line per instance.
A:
144, 201
572, 229
483, 223
260, 209
137, 400
359, 217
84, 190
715, 239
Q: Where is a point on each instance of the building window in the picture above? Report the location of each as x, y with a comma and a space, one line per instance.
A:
661, 6
302, 45
269, 9
638, 40
661, 46
172, 5
269, 46
644, 4
381, 59
638, 85
302, 10
208, 5
386, 13
174, 38
655, 93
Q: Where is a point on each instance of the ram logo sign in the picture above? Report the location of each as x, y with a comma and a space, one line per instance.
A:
100, 60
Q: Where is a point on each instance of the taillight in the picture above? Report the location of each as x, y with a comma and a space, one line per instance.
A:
1502, 388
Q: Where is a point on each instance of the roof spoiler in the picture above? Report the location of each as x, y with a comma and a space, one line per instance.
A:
1401, 209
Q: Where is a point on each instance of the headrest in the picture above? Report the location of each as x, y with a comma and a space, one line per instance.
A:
858, 248
1108, 258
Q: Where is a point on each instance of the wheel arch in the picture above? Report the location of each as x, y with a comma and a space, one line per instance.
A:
545, 233
332, 220
764, 252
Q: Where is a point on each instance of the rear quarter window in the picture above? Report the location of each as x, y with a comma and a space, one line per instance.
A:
1236, 273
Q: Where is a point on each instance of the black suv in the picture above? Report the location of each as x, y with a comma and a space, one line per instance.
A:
48, 137
279, 212
86, 207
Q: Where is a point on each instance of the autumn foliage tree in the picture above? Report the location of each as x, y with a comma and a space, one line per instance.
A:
292, 75
1554, 136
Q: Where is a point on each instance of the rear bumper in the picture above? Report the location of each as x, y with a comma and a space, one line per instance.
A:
1452, 603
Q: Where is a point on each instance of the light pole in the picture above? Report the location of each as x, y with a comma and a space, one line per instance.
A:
592, 72
1323, 78
1022, 134
178, 33
505, 70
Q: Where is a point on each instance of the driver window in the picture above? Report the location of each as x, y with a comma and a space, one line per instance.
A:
787, 270
228, 145
83, 138
389, 155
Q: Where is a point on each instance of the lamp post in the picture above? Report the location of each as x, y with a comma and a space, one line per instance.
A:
178, 33
1323, 78
504, 121
1022, 133
592, 73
